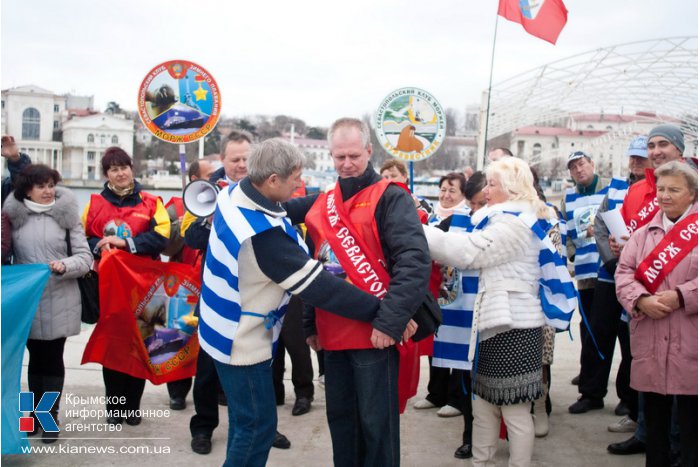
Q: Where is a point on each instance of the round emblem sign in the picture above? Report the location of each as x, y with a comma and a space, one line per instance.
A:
179, 101
410, 124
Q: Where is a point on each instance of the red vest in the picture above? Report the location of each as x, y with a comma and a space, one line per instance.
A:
105, 219
336, 332
189, 255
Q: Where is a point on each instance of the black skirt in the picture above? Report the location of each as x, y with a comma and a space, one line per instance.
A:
509, 367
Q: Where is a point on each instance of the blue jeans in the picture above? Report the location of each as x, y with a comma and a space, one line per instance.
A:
362, 406
252, 413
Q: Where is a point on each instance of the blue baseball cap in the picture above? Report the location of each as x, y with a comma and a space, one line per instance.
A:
638, 147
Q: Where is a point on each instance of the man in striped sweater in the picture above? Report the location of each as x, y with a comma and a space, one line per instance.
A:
255, 261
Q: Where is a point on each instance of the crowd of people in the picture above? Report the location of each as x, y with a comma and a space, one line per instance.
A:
485, 251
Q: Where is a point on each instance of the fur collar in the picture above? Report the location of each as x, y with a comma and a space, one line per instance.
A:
64, 212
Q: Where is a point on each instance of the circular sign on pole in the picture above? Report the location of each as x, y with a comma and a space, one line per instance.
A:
179, 101
410, 124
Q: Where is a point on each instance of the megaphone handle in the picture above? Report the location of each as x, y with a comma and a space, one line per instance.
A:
183, 167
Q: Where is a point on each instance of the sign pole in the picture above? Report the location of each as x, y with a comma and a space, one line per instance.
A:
183, 165
410, 174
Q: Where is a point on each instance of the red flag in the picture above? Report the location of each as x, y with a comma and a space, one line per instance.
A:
541, 18
146, 327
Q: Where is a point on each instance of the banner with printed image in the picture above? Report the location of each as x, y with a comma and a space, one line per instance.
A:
147, 326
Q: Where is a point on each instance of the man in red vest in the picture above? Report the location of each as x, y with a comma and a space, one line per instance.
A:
367, 230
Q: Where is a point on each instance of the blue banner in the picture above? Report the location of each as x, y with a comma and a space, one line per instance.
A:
22, 286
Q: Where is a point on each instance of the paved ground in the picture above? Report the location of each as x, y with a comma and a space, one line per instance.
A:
426, 439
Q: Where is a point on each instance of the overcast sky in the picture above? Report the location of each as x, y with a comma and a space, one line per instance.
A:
312, 59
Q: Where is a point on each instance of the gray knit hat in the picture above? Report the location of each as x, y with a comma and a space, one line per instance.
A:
672, 133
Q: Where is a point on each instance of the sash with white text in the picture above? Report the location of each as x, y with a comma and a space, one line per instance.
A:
675, 245
365, 272
645, 214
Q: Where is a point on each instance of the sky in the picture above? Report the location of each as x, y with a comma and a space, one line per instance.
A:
311, 59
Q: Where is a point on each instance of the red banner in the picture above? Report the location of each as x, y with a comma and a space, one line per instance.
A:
675, 245
147, 327
541, 18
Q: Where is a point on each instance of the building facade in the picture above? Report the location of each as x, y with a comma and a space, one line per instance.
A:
85, 140
33, 116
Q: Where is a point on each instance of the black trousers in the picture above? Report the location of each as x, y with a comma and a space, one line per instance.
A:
180, 388
604, 319
657, 414
205, 395
118, 384
586, 303
466, 407
445, 386
292, 340
46, 370
46, 357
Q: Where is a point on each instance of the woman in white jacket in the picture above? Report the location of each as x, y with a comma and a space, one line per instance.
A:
507, 374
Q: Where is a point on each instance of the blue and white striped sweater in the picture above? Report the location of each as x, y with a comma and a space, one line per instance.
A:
580, 213
220, 303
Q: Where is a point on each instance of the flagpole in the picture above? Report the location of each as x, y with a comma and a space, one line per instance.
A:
480, 163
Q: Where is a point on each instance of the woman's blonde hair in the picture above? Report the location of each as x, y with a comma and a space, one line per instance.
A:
516, 179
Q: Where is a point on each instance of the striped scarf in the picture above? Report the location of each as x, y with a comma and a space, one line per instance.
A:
451, 345
220, 304
557, 292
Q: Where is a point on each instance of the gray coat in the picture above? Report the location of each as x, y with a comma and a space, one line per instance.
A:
40, 238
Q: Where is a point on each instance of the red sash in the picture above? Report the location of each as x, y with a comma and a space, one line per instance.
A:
640, 204
645, 214
675, 245
364, 270
336, 332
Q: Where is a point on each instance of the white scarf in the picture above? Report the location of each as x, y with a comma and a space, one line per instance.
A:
38, 208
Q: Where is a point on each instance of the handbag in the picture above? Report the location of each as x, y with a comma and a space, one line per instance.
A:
89, 292
428, 317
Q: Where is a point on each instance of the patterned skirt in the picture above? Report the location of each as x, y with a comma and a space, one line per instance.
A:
509, 367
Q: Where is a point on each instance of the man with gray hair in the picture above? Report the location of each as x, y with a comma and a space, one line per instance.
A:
255, 261
365, 229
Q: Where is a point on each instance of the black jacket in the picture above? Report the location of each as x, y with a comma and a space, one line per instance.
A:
404, 246
8, 183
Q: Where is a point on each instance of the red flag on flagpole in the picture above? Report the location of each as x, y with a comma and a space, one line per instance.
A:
541, 18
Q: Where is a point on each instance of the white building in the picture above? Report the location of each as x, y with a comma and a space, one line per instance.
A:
85, 140
33, 116
604, 137
316, 151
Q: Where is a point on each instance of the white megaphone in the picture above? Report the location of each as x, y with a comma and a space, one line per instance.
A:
199, 198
